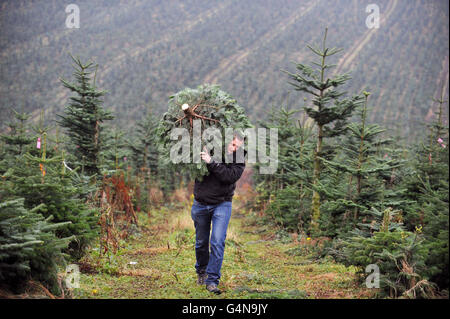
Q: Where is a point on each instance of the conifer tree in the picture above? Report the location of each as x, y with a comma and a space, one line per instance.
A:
38, 176
398, 254
329, 111
145, 146
427, 186
146, 161
84, 117
282, 193
18, 138
208, 106
29, 248
15, 144
359, 172
114, 153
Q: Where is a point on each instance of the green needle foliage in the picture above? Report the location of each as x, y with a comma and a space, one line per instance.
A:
84, 117
283, 193
145, 150
38, 176
29, 248
329, 110
213, 108
398, 254
360, 172
115, 153
18, 136
427, 187
145, 145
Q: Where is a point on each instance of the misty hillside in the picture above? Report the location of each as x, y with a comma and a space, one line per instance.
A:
148, 50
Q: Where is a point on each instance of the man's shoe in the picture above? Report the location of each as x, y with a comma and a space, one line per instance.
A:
213, 288
201, 278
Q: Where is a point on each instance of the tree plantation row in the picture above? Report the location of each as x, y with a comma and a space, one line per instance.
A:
347, 188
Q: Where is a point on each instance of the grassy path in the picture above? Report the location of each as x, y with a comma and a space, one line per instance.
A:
158, 262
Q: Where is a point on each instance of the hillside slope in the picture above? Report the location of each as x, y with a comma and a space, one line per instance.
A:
147, 50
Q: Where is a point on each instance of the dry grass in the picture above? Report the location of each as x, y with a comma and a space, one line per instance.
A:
182, 221
148, 272
34, 290
156, 196
149, 251
180, 195
232, 235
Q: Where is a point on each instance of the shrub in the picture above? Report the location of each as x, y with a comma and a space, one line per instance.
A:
29, 248
399, 255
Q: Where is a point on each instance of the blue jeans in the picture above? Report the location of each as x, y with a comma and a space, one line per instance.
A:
210, 261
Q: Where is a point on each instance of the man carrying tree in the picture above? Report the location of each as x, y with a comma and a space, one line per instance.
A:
212, 205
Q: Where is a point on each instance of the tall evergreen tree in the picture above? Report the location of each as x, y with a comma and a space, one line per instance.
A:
282, 194
38, 176
427, 185
18, 137
329, 110
145, 160
360, 171
114, 153
84, 117
145, 145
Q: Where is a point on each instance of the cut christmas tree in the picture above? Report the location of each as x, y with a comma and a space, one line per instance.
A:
202, 117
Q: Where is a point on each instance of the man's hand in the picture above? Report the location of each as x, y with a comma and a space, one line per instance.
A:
205, 155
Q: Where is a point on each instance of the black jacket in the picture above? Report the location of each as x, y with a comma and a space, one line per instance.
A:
219, 185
